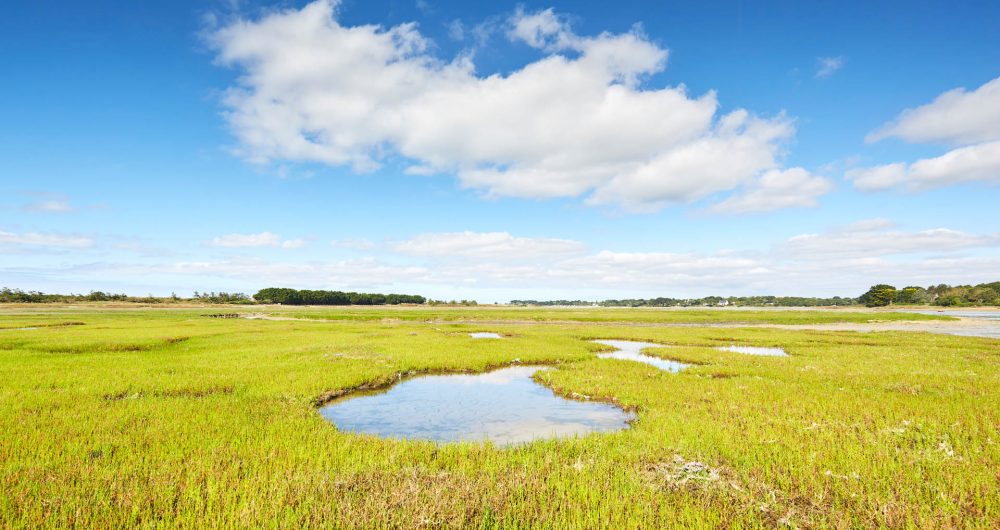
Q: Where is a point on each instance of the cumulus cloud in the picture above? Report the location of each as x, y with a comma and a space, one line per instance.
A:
576, 122
489, 245
776, 189
829, 66
262, 239
970, 120
955, 117
42, 239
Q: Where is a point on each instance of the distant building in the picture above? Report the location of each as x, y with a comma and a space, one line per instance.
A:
723, 303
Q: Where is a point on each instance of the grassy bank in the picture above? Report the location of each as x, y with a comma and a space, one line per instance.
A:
167, 418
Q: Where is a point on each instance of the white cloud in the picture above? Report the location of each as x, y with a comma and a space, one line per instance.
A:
968, 119
41, 239
576, 122
955, 117
875, 239
829, 66
974, 163
776, 189
262, 239
839, 261
877, 178
293, 243
543, 29
487, 245
355, 273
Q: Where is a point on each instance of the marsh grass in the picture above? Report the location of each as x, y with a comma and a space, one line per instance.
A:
600, 315
162, 418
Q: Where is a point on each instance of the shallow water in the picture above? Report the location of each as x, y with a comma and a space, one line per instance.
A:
16, 329
755, 350
632, 351
505, 406
986, 323
988, 315
485, 335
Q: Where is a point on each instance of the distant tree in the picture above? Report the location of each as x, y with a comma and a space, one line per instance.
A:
278, 295
879, 296
913, 295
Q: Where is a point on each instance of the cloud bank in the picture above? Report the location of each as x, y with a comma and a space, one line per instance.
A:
841, 260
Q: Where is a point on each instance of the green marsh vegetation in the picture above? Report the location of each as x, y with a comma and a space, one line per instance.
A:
165, 418
602, 315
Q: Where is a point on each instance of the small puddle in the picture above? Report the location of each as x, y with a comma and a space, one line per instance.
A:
485, 335
632, 351
505, 406
16, 329
755, 350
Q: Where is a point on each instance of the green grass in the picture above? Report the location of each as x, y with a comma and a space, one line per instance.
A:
165, 418
598, 315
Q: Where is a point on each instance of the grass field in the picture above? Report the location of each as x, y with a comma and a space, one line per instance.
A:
117, 417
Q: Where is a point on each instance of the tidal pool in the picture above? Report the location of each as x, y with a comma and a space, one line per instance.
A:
485, 335
755, 350
632, 351
505, 406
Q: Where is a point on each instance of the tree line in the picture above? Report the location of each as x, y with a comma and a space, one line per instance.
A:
750, 301
984, 294
12, 296
270, 295
285, 296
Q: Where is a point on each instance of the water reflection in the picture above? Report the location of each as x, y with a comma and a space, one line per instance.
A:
755, 350
632, 351
485, 335
505, 406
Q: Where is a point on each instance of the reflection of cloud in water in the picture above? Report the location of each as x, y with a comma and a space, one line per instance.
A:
485, 335
632, 351
505, 406
496, 377
527, 430
755, 350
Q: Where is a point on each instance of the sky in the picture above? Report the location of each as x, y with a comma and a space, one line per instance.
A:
497, 151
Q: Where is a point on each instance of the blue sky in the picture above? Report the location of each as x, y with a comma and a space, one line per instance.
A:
522, 150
